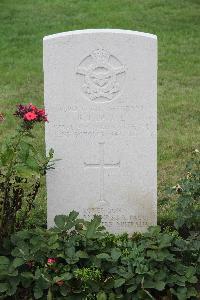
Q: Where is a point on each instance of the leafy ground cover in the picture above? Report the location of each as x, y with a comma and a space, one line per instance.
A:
79, 260
175, 22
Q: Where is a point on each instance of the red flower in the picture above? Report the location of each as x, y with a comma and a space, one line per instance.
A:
30, 116
42, 115
60, 282
32, 107
52, 260
41, 112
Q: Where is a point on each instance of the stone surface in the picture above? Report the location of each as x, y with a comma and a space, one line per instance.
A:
100, 96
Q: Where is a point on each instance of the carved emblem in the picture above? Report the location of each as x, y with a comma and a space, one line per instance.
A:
102, 76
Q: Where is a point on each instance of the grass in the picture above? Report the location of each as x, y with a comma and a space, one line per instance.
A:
175, 22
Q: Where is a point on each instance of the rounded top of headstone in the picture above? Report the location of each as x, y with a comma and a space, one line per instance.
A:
96, 31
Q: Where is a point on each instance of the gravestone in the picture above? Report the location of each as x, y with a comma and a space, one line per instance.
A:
100, 97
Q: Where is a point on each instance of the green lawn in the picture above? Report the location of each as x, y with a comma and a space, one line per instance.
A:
23, 23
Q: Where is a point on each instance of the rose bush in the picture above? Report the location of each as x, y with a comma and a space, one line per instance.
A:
21, 170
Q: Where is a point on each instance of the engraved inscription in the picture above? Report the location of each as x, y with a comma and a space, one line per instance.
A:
103, 76
117, 217
101, 122
102, 165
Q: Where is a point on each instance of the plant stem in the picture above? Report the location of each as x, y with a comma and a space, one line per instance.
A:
4, 223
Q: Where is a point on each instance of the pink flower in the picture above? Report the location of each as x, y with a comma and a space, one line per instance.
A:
30, 116
51, 261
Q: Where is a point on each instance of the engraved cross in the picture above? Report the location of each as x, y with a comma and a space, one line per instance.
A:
102, 165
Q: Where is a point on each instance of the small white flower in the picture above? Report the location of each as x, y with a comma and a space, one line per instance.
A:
178, 188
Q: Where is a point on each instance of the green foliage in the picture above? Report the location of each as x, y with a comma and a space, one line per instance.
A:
78, 259
180, 207
175, 22
188, 201
21, 171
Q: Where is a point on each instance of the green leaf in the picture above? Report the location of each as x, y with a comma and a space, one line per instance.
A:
119, 282
26, 282
64, 222
60, 221
64, 291
38, 273
70, 252
82, 254
72, 217
190, 271
111, 296
24, 171
92, 227
13, 283
101, 296
27, 275
3, 287
32, 164
44, 281
11, 290
7, 155
38, 293
181, 293
115, 253
53, 239
159, 285
21, 250
18, 261
131, 288
4, 262
54, 246
21, 235
191, 292
65, 277
24, 151
103, 256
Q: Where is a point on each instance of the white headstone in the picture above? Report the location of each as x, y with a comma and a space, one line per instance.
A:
100, 96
